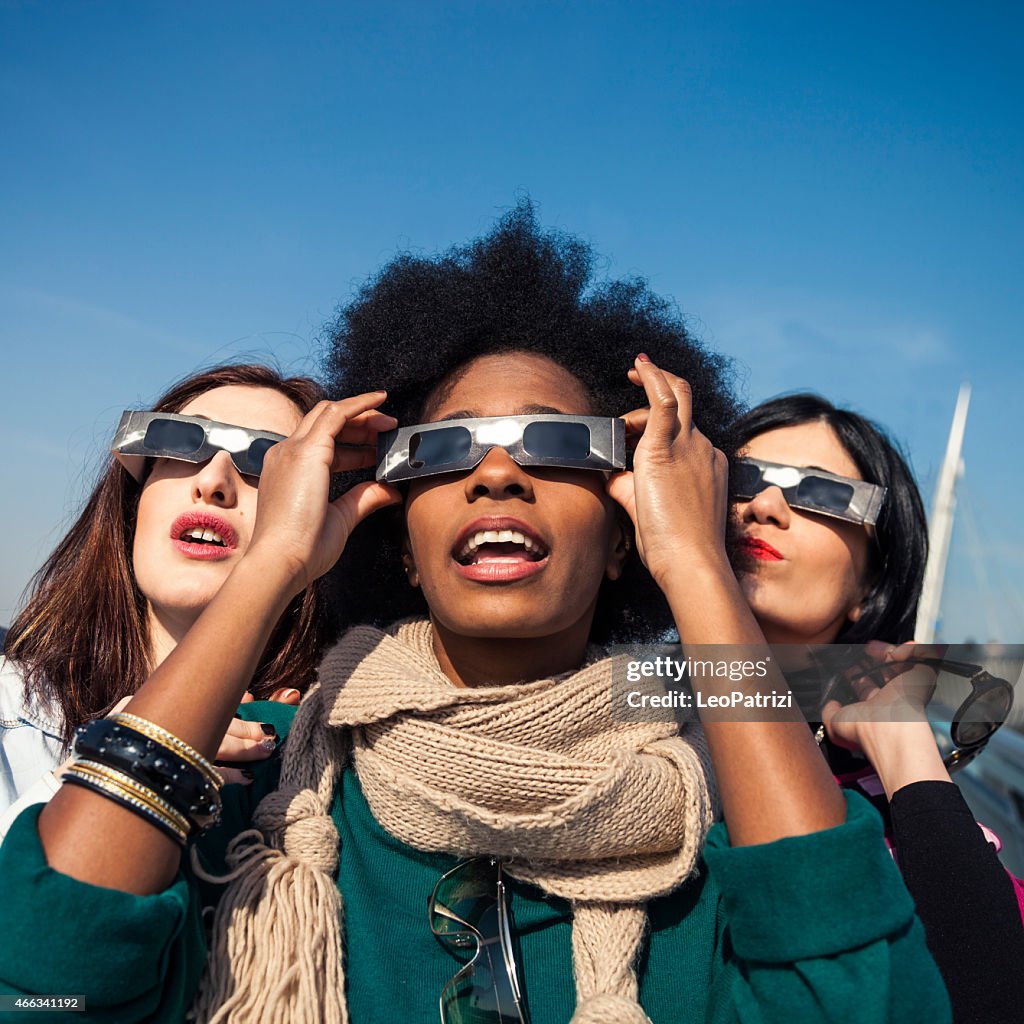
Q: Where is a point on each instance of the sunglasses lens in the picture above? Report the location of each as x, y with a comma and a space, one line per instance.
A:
466, 901
174, 436
828, 495
466, 913
257, 451
745, 479
557, 440
480, 994
979, 716
441, 447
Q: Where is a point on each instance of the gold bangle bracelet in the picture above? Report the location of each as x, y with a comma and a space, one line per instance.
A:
136, 789
160, 735
125, 799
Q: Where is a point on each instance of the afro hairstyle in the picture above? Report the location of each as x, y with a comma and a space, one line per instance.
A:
415, 326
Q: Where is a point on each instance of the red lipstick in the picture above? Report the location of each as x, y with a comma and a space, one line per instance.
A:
220, 545
760, 549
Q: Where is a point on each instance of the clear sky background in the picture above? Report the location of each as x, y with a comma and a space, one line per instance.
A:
831, 193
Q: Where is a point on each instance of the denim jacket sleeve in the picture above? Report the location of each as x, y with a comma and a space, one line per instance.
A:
30, 745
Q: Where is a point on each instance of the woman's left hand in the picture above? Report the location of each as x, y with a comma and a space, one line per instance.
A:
677, 492
888, 724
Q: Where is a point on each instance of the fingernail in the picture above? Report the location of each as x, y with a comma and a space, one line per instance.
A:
643, 357
291, 693
268, 729
268, 745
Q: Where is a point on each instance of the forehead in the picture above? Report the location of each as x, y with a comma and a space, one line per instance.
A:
246, 406
804, 444
502, 385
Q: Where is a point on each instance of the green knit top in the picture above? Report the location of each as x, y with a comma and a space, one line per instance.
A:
806, 929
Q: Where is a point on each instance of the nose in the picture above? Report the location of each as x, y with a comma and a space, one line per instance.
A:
216, 482
767, 507
499, 476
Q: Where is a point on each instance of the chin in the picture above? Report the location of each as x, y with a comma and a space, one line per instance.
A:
494, 620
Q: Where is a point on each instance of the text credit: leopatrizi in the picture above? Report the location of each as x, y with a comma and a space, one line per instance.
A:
677, 670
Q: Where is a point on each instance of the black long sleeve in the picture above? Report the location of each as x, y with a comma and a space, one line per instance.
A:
965, 900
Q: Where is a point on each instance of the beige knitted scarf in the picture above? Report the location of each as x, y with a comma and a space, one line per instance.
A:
606, 814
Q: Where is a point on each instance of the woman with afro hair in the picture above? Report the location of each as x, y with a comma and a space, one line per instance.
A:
462, 823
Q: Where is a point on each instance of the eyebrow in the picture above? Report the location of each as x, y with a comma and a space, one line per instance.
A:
523, 410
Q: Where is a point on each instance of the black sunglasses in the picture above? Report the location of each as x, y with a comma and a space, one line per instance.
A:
468, 910
974, 722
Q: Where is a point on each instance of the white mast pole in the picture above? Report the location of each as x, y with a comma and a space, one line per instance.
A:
941, 528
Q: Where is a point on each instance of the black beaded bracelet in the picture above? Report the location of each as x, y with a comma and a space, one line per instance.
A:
153, 765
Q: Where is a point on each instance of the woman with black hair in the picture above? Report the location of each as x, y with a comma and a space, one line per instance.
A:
471, 755
816, 576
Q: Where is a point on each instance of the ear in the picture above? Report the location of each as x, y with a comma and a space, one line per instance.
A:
857, 610
619, 546
409, 563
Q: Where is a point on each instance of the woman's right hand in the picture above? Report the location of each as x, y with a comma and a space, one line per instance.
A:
298, 530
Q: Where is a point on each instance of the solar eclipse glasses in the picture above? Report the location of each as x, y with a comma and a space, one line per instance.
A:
810, 490
454, 446
169, 435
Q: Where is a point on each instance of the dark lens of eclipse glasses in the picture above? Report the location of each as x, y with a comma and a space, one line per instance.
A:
825, 494
257, 452
439, 447
746, 479
557, 440
174, 436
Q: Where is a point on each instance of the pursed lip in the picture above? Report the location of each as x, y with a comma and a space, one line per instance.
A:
206, 521
499, 571
760, 549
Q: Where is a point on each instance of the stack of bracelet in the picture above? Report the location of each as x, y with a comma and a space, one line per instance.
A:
150, 771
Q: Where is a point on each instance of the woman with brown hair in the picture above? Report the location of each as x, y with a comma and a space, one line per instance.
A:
126, 583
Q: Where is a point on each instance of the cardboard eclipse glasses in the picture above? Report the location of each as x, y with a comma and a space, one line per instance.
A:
810, 490
454, 446
170, 435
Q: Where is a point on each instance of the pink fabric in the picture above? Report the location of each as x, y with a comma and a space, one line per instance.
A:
1018, 888
990, 836
1018, 885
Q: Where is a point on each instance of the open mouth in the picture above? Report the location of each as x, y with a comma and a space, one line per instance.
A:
500, 547
199, 535
203, 535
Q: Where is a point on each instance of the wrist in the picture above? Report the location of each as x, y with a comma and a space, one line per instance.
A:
902, 753
271, 574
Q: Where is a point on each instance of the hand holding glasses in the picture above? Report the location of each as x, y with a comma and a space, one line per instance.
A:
974, 722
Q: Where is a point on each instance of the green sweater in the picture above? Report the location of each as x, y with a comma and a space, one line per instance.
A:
811, 928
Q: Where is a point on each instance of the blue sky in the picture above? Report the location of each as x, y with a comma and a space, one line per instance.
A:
831, 194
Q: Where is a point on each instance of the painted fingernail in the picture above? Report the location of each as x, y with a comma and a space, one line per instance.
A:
268, 729
268, 745
288, 694
643, 357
